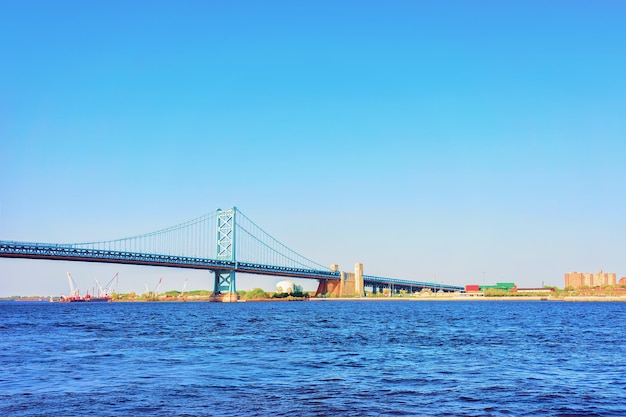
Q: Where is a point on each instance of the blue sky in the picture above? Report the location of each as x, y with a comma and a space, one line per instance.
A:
449, 140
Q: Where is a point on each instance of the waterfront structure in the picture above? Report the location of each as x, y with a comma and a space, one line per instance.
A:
587, 279
285, 286
349, 283
504, 286
474, 289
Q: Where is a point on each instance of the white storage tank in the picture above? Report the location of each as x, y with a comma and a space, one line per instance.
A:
285, 286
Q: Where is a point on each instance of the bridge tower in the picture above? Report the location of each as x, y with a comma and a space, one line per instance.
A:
224, 288
359, 289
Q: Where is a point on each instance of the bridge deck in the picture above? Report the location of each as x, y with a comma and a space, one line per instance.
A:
69, 253
28, 250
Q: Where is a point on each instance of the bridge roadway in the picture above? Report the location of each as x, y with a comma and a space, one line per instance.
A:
29, 250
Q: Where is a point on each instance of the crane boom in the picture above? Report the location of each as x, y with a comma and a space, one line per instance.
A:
107, 288
73, 287
100, 289
156, 289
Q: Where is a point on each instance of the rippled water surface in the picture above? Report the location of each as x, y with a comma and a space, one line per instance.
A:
316, 358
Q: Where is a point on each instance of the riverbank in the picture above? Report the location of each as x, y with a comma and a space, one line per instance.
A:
366, 299
478, 299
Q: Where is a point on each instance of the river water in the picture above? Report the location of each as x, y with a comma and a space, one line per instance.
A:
315, 358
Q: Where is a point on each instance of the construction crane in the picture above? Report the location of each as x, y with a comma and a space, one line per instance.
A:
100, 289
74, 292
156, 289
106, 291
107, 288
184, 286
153, 294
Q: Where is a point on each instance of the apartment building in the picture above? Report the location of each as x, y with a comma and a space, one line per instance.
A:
587, 279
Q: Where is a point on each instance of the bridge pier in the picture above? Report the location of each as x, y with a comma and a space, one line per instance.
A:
224, 288
228, 297
350, 284
328, 288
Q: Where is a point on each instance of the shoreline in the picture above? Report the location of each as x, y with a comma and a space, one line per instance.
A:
518, 298
591, 298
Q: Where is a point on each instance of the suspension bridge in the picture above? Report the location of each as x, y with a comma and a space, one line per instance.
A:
224, 242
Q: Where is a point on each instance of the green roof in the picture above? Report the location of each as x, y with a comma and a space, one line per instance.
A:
499, 286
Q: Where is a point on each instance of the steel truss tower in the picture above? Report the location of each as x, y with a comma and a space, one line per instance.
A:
224, 279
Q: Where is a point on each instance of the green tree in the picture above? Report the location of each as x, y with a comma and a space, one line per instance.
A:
256, 294
495, 292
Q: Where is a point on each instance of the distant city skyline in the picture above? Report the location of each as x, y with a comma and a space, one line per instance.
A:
457, 143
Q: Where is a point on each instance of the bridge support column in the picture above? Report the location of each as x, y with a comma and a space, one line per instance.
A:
224, 288
329, 288
349, 284
359, 289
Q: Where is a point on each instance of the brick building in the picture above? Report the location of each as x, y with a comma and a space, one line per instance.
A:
587, 279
